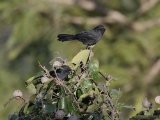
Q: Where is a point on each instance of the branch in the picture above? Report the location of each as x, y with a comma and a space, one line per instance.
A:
107, 78
111, 18
62, 2
87, 5
117, 18
146, 5
152, 73
145, 25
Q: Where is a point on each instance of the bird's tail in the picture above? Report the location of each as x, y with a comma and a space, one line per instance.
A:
65, 37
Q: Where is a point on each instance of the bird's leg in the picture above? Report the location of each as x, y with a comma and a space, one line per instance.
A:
88, 59
87, 47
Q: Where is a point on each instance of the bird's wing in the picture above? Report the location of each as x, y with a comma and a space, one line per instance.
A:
85, 35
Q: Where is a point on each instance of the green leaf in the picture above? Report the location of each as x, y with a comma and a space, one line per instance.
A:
93, 107
94, 69
31, 88
34, 78
121, 106
49, 107
79, 93
26, 111
86, 85
66, 103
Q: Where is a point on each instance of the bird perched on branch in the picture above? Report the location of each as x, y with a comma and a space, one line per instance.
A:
61, 73
90, 37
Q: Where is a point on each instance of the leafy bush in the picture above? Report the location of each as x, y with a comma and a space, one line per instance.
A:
70, 90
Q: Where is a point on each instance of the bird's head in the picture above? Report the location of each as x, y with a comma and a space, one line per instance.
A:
66, 68
100, 28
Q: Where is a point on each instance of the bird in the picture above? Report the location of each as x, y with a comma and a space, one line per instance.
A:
61, 73
89, 37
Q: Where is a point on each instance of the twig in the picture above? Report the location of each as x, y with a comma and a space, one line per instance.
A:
44, 68
89, 56
103, 75
108, 77
112, 106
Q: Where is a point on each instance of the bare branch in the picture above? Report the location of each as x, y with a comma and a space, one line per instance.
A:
117, 18
87, 5
152, 73
146, 5
62, 2
145, 25
111, 18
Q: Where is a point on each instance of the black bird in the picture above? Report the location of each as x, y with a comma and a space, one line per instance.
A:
88, 38
62, 72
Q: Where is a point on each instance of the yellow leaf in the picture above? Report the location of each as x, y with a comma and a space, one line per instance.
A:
81, 57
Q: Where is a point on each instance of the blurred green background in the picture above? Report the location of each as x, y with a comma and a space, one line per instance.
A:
129, 50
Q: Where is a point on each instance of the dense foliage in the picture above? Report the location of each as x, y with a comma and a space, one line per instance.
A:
73, 90
76, 93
